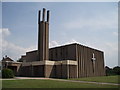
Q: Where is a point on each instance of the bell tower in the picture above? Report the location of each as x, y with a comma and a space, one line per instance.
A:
43, 36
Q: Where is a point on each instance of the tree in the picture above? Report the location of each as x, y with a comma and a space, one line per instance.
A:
7, 73
109, 71
116, 70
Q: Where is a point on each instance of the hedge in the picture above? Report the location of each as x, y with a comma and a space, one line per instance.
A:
7, 73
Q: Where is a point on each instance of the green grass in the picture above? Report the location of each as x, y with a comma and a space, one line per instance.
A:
50, 84
108, 79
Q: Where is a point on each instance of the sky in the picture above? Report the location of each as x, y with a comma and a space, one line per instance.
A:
59, 0
93, 24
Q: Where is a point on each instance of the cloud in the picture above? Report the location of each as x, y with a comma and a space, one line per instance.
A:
110, 50
111, 53
15, 51
12, 50
31, 48
115, 33
98, 22
106, 23
4, 32
56, 43
53, 44
72, 41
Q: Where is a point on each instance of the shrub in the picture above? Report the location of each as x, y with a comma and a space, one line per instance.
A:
117, 70
7, 73
112, 71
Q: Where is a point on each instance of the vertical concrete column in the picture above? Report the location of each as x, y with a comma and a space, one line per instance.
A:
46, 41
101, 67
89, 61
81, 64
80, 51
68, 73
42, 41
43, 36
103, 64
47, 37
48, 15
32, 73
77, 60
78, 66
97, 63
39, 14
85, 62
43, 14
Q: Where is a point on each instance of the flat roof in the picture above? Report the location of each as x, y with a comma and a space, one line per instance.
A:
76, 44
68, 45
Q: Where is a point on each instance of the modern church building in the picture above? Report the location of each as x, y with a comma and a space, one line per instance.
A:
68, 61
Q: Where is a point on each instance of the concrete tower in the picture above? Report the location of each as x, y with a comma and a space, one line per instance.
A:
43, 36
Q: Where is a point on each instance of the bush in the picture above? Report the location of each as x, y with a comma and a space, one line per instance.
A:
7, 73
117, 70
112, 71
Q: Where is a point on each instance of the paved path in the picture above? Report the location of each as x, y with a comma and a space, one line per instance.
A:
19, 78
85, 82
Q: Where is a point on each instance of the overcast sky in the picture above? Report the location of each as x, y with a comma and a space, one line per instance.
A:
89, 23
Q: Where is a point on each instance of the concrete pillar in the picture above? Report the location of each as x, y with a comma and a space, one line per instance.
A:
32, 71
43, 14
46, 57
39, 14
77, 59
48, 16
68, 73
43, 37
81, 64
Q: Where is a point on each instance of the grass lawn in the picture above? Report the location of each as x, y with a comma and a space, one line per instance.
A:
108, 79
27, 83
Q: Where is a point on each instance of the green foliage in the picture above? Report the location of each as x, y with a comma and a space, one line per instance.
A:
116, 70
7, 73
109, 71
112, 71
